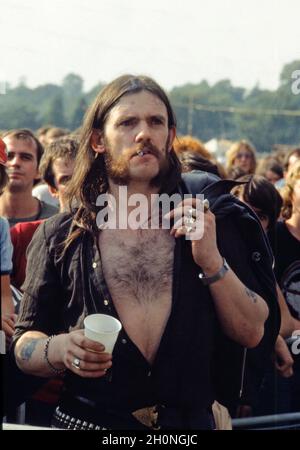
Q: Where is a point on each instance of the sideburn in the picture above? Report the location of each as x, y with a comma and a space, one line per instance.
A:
118, 170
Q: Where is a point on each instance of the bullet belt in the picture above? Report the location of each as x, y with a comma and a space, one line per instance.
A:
65, 421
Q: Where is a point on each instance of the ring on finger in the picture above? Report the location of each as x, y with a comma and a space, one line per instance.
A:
189, 219
76, 363
206, 205
192, 212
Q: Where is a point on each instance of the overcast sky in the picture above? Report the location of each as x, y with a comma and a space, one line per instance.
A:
175, 41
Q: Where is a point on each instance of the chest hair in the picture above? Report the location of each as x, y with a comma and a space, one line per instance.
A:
137, 265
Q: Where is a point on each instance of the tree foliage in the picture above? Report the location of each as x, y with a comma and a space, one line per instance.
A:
221, 110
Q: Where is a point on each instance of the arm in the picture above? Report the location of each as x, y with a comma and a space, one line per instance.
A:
287, 321
6, 250
41, 309
283, 358
7, 306
241, 312
8, 318
296, 324
62, 349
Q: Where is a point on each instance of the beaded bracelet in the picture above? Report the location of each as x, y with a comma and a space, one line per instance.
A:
54, 369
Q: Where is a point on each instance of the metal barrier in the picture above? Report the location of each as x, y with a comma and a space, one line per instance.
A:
290, 421
15, 426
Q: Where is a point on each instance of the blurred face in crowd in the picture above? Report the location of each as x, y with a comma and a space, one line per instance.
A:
62, 169
138, 122
272, 176
262, 216
22, 166
243, 159
42, 138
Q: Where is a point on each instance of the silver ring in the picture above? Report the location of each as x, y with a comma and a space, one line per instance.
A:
189, 219
192, 212
76, 363
206, 205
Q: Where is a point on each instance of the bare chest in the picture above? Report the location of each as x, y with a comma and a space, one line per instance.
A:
138, 268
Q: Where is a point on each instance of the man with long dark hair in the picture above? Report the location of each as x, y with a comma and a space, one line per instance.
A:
160, 371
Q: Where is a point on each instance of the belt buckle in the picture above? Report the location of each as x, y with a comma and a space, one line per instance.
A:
154, 418
148, 416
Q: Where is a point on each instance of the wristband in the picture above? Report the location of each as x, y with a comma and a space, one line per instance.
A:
217, 276
46, 349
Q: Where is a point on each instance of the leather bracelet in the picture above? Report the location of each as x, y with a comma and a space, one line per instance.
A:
217, 276
46, 349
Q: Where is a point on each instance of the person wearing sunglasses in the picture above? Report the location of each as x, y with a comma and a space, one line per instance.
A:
241, 155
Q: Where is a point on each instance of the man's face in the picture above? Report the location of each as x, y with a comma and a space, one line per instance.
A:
22, 166
63, 169
139, 122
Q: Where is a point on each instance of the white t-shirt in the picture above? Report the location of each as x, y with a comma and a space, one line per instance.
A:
41, 192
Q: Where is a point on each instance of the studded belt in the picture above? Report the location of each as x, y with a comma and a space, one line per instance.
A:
78, 413
65, 421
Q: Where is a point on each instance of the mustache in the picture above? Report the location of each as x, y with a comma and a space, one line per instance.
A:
144, 148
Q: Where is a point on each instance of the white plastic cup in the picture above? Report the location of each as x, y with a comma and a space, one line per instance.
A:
102, 328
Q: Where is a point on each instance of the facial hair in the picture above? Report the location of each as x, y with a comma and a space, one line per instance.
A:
118, 169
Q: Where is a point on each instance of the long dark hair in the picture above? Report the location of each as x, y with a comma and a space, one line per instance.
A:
90, 179
259, 193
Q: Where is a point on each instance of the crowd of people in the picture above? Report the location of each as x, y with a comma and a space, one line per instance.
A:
193, 310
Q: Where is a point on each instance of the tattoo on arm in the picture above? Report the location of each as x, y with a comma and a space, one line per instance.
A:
28, 349
251, 295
